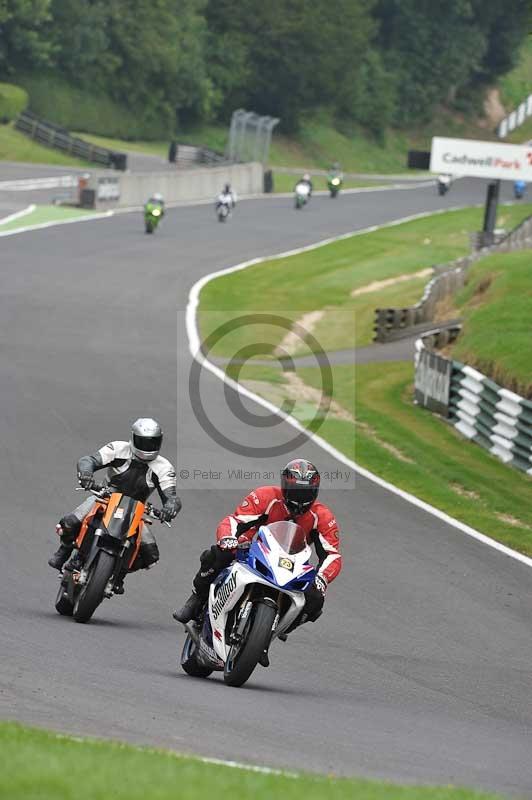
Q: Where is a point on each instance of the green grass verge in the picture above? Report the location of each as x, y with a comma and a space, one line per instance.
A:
324, 279
47, 766
375, 421
497, 307
45, 214
407, 445
15, 146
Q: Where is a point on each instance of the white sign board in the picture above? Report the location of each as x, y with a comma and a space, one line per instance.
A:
108, 189
476, 159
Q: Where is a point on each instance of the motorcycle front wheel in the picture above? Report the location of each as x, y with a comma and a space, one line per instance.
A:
91, 594
243, 658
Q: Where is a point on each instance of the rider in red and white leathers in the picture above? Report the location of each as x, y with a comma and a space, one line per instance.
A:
294, 500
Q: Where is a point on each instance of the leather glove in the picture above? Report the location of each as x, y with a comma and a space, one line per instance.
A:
315, 598
86, 480
228, 543
170, 509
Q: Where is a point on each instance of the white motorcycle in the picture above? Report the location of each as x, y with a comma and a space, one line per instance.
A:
224, 207
252, 602
444, 184
302, 195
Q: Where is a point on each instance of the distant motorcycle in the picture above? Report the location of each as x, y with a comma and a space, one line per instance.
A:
302, 195
152, 216
519, 189
334, 184
108, 543
224, 207
444, 184
252, 602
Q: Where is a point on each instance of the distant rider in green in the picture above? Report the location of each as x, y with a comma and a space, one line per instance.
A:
155, 201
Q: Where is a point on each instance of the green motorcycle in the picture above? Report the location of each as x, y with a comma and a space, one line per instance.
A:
334, 183
153, 213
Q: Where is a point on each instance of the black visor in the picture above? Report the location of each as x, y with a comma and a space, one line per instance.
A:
148, 444
300, 494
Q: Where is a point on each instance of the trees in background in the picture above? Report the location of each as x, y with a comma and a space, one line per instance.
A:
24, 35
373, 62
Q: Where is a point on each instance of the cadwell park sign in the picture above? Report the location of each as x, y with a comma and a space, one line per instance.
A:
476, 159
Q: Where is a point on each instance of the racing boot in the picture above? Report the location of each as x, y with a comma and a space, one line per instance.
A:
67, 529
75, 564
191, 610
60, 556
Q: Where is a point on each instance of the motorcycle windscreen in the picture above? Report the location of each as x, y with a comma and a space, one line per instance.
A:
289, 536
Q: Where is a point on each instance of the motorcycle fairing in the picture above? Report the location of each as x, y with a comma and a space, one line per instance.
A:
261, 567
121, 520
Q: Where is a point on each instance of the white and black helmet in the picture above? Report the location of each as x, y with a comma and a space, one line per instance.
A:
146, 439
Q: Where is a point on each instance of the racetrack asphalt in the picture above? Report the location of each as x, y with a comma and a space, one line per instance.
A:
420, 668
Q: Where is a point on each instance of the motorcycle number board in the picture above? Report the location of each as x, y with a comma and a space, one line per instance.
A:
478, 159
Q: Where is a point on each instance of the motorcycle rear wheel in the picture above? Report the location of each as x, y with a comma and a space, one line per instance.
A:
91, 594
244, 658
189, 662
63, 605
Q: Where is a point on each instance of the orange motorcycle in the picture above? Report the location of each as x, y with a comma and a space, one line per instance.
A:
108, 543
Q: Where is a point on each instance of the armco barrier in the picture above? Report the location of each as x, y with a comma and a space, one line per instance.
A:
187, 155
495, 418
133, 189
53, 136
393, 323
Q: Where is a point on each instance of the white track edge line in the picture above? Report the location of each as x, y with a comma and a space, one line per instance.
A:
177, 755
195, 351
18, 214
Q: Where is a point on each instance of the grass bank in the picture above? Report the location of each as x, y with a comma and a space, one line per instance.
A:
319, 144
372, 419
516, 85
382, 268
15, 146
46, 766
497, 308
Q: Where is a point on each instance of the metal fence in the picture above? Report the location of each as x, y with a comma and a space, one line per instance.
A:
250, 137
484, 412
54, 136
